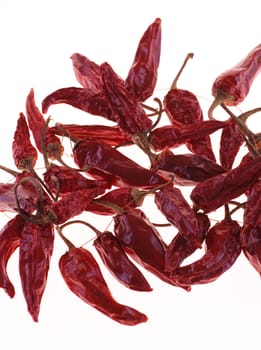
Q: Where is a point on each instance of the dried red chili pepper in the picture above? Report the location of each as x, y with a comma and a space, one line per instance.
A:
10, 236
8, 201
98, 155
174, 136
108, 134
24, 153
173, 205
222, 250
81, 99
88, 73
230, 143
218, 190
143, 74
83, 276
182, 246
252, 247
128, 113
187, 169
34, 256
61, 180
232, 86
37, 123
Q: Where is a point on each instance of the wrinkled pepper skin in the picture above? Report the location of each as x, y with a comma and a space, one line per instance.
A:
10, 236
98, 155
222, 250
83, 276
142, 76
116, 260
218, 190
35, 250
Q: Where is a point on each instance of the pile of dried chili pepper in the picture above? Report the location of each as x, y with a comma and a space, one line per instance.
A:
176, 136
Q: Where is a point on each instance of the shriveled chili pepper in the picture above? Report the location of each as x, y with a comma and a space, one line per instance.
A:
232, 86
87, 72
8, 201
173, 205
183, 108
98, 155
73, 204
222, 250
34, 256
252, 247
218, 190
187, 169
174, 136
182, 246
24, 153
108, 134
117, 261
79, 98
128, 113
143, 74
10, 236
230, 143
37, 124
61, 180
83, 276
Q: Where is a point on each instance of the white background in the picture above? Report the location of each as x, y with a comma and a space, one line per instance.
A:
37, 39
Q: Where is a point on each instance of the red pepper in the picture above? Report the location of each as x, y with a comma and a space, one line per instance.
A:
174, 136
116, 260
88, 73
79, 98
8, 200
232, 86
24, 153
222, 250
98, 155
252, 248
128, 113
37, 123
187, 169
34, 256
218, 190
10, 236
182, 246
177, 210
142, 76
83, 276
230, 143
108, 134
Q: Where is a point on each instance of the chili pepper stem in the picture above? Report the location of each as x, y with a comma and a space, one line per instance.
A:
244, 116
174, 84
98, 232
66, 240
9, 171
219, 99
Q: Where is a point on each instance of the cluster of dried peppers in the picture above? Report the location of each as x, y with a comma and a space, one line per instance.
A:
106, 182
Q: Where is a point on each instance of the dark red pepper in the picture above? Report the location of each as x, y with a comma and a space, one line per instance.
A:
142, 76
83, 276
222, 250
98, 155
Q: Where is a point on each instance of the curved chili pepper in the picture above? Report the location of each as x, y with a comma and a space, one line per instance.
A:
83, 276
79, 98
182, 246
232, 86
252, 248
142, 76
37, 124
34, 256
24, 153
108, 134
8, 200
10, 236
98, 155
222, 250
218, 190
62, 179
187, 169
177, 210
88, 73
116, 260
128, 113
174, 136
230, 143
